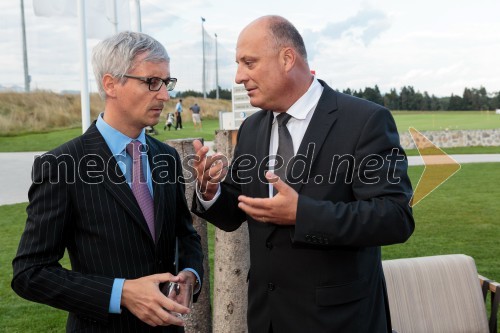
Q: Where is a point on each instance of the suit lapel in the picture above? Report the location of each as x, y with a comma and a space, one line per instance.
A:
321, 123
114, 180
158, 191
262, 150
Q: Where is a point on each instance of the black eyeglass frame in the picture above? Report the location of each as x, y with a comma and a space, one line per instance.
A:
169, 81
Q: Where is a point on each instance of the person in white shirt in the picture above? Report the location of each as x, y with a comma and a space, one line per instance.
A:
342, 192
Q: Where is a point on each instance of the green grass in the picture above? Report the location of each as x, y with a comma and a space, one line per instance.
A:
461, 216
52, 139
441, 120
422, 121
17, 314
462, 150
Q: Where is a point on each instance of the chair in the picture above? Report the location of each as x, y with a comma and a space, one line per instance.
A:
439, 294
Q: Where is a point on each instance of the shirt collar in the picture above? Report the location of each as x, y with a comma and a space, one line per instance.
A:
116, 140
305, 103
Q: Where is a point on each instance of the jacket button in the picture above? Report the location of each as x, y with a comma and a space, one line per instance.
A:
271, 286
269, 245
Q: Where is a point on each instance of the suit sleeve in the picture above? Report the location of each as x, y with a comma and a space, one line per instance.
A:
225, 213
38, 276
379, 213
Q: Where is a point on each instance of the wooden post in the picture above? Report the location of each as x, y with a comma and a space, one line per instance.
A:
200, 319
232, 262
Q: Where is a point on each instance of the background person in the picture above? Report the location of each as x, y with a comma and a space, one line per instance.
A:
314, 246
195, 110
118, 224
178, 115
169, 121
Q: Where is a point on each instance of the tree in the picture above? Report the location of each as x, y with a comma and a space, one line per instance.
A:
436, 104
189, 93
373, 94
391, 100
200, 318
468, 100
223, 94
456, 103
232, 263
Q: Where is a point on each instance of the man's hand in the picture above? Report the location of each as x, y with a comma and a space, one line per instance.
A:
280, 209
187, 277
210, 170
144, 299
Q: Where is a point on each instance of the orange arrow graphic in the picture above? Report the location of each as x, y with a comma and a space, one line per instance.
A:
439, 166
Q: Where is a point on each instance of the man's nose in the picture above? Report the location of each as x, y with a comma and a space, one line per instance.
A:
241, 76
163, 93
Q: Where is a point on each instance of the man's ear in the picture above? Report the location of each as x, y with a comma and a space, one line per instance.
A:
288, 57
109, 84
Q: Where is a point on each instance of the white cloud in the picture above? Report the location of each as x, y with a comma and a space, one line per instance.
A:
433, 46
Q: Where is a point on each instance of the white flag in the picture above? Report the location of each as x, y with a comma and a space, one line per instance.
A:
49, 8
100, 14
101, 18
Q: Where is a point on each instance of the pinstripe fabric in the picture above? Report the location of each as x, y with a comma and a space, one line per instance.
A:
80, 201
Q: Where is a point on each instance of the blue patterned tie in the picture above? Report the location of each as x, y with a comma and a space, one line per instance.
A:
140, 186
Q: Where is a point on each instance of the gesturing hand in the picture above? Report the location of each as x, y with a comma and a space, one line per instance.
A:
210, 170
280, 209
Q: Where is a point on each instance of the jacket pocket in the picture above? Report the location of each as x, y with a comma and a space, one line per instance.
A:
341, 294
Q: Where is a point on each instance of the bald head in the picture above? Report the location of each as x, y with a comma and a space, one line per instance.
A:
272, 63
281, 32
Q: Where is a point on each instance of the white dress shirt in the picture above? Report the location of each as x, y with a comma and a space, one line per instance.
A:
301, 111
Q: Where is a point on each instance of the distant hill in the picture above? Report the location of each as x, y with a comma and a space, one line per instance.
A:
43, 110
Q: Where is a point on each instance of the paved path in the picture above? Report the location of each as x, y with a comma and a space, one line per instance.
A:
15, 172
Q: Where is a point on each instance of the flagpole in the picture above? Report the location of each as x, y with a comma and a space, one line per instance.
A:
27, 78
203, 44
84, 81
216, 71
115, 17
138, 15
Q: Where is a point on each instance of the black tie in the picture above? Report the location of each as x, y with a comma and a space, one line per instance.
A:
285, 145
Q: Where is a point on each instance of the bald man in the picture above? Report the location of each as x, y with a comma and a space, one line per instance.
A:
316, 230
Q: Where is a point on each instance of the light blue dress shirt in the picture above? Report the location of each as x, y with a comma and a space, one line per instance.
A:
117, 142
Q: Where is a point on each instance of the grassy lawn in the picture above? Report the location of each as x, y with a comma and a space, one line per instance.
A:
461, 216
422, 121
462, 150
17, 314
441, 120
50, 140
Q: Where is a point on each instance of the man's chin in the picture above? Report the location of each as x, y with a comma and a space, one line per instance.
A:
255, 102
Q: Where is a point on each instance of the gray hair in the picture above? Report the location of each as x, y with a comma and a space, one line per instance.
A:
285, 34
117, 55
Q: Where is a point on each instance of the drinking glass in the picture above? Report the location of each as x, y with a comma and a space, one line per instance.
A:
181, 293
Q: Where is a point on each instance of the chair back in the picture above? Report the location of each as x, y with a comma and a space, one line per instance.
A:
435, 294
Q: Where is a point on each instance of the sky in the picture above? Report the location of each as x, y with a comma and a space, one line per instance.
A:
439, 46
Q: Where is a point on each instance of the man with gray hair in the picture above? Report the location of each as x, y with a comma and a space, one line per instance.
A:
113, 198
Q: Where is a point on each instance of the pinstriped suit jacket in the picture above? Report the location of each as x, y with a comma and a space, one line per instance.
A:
80, 201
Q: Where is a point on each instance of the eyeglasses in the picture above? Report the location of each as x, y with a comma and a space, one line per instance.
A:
155, 83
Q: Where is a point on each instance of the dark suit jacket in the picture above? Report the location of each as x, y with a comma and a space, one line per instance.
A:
80, 201
324, 274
